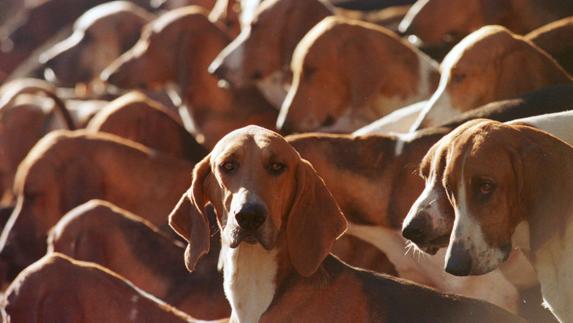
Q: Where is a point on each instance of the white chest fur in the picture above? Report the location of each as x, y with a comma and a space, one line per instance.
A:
554, 263
249, 280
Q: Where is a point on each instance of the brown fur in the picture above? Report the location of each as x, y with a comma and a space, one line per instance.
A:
59, 289
555, 38
178, 47
352, 69
141, 119
263, 52
97, 40
443, 22
100, 232
489, 65
66, 169
330, 290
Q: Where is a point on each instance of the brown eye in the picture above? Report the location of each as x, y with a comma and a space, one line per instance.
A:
486, 188
229, 166
277, 168
457, 78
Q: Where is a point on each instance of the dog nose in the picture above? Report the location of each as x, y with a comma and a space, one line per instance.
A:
251, 216
416, 230
459, 260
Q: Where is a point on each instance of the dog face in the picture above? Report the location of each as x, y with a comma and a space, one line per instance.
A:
429, 222
258, 51
488, 65
484, 180
100, 35
263, 192
436, 22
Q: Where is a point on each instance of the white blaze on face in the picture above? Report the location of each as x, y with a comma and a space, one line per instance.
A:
233, 56
428, 202
468, 232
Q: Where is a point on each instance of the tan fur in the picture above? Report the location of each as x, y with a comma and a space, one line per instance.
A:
555, 38
99, 36
59, 289
66, 169
347, 74
489, 65
215, 111
138, 118
305, 220
100, 232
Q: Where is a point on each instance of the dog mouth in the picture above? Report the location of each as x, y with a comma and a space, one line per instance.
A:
432, 246
250, 237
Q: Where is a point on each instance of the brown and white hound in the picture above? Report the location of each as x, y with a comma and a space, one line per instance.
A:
174, 53
490, 64
258, 56
57, 288
100, 232
100, 35
510, 185
348, 73
278, 222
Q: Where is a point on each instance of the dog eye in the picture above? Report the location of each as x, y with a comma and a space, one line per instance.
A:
458, 77
228, 166
486, 188
277, 168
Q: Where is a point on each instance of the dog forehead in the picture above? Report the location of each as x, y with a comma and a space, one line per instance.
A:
253, 139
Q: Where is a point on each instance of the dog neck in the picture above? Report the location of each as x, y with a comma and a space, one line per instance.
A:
249, 280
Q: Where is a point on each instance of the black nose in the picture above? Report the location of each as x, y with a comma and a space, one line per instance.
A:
416, 231
459, 261
251, 216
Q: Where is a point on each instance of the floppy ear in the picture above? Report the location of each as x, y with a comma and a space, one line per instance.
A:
188, 218
542, 70
314, 222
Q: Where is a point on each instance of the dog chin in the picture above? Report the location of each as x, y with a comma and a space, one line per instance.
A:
239, 236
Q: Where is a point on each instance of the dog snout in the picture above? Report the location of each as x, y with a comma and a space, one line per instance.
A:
251, 216
459, 261
416, 230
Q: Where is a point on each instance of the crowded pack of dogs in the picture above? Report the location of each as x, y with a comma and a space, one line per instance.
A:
286, 161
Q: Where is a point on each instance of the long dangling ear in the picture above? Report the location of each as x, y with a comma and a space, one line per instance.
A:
314, 223
188, 218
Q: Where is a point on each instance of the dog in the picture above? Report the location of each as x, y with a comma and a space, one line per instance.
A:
59, 289
554, 38
100, 232
490, 64
66, 169
495, 200
278, 222
210, 111
99, 36
347, 74
257, 56
136, 117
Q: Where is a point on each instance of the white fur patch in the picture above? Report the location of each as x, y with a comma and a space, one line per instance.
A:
558, 124
553, 263
469, 233
249, 280
438, 110
273, 88
427, 201
399, 121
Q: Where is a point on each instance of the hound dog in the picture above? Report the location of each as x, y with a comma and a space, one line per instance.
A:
501, 203
278, 222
